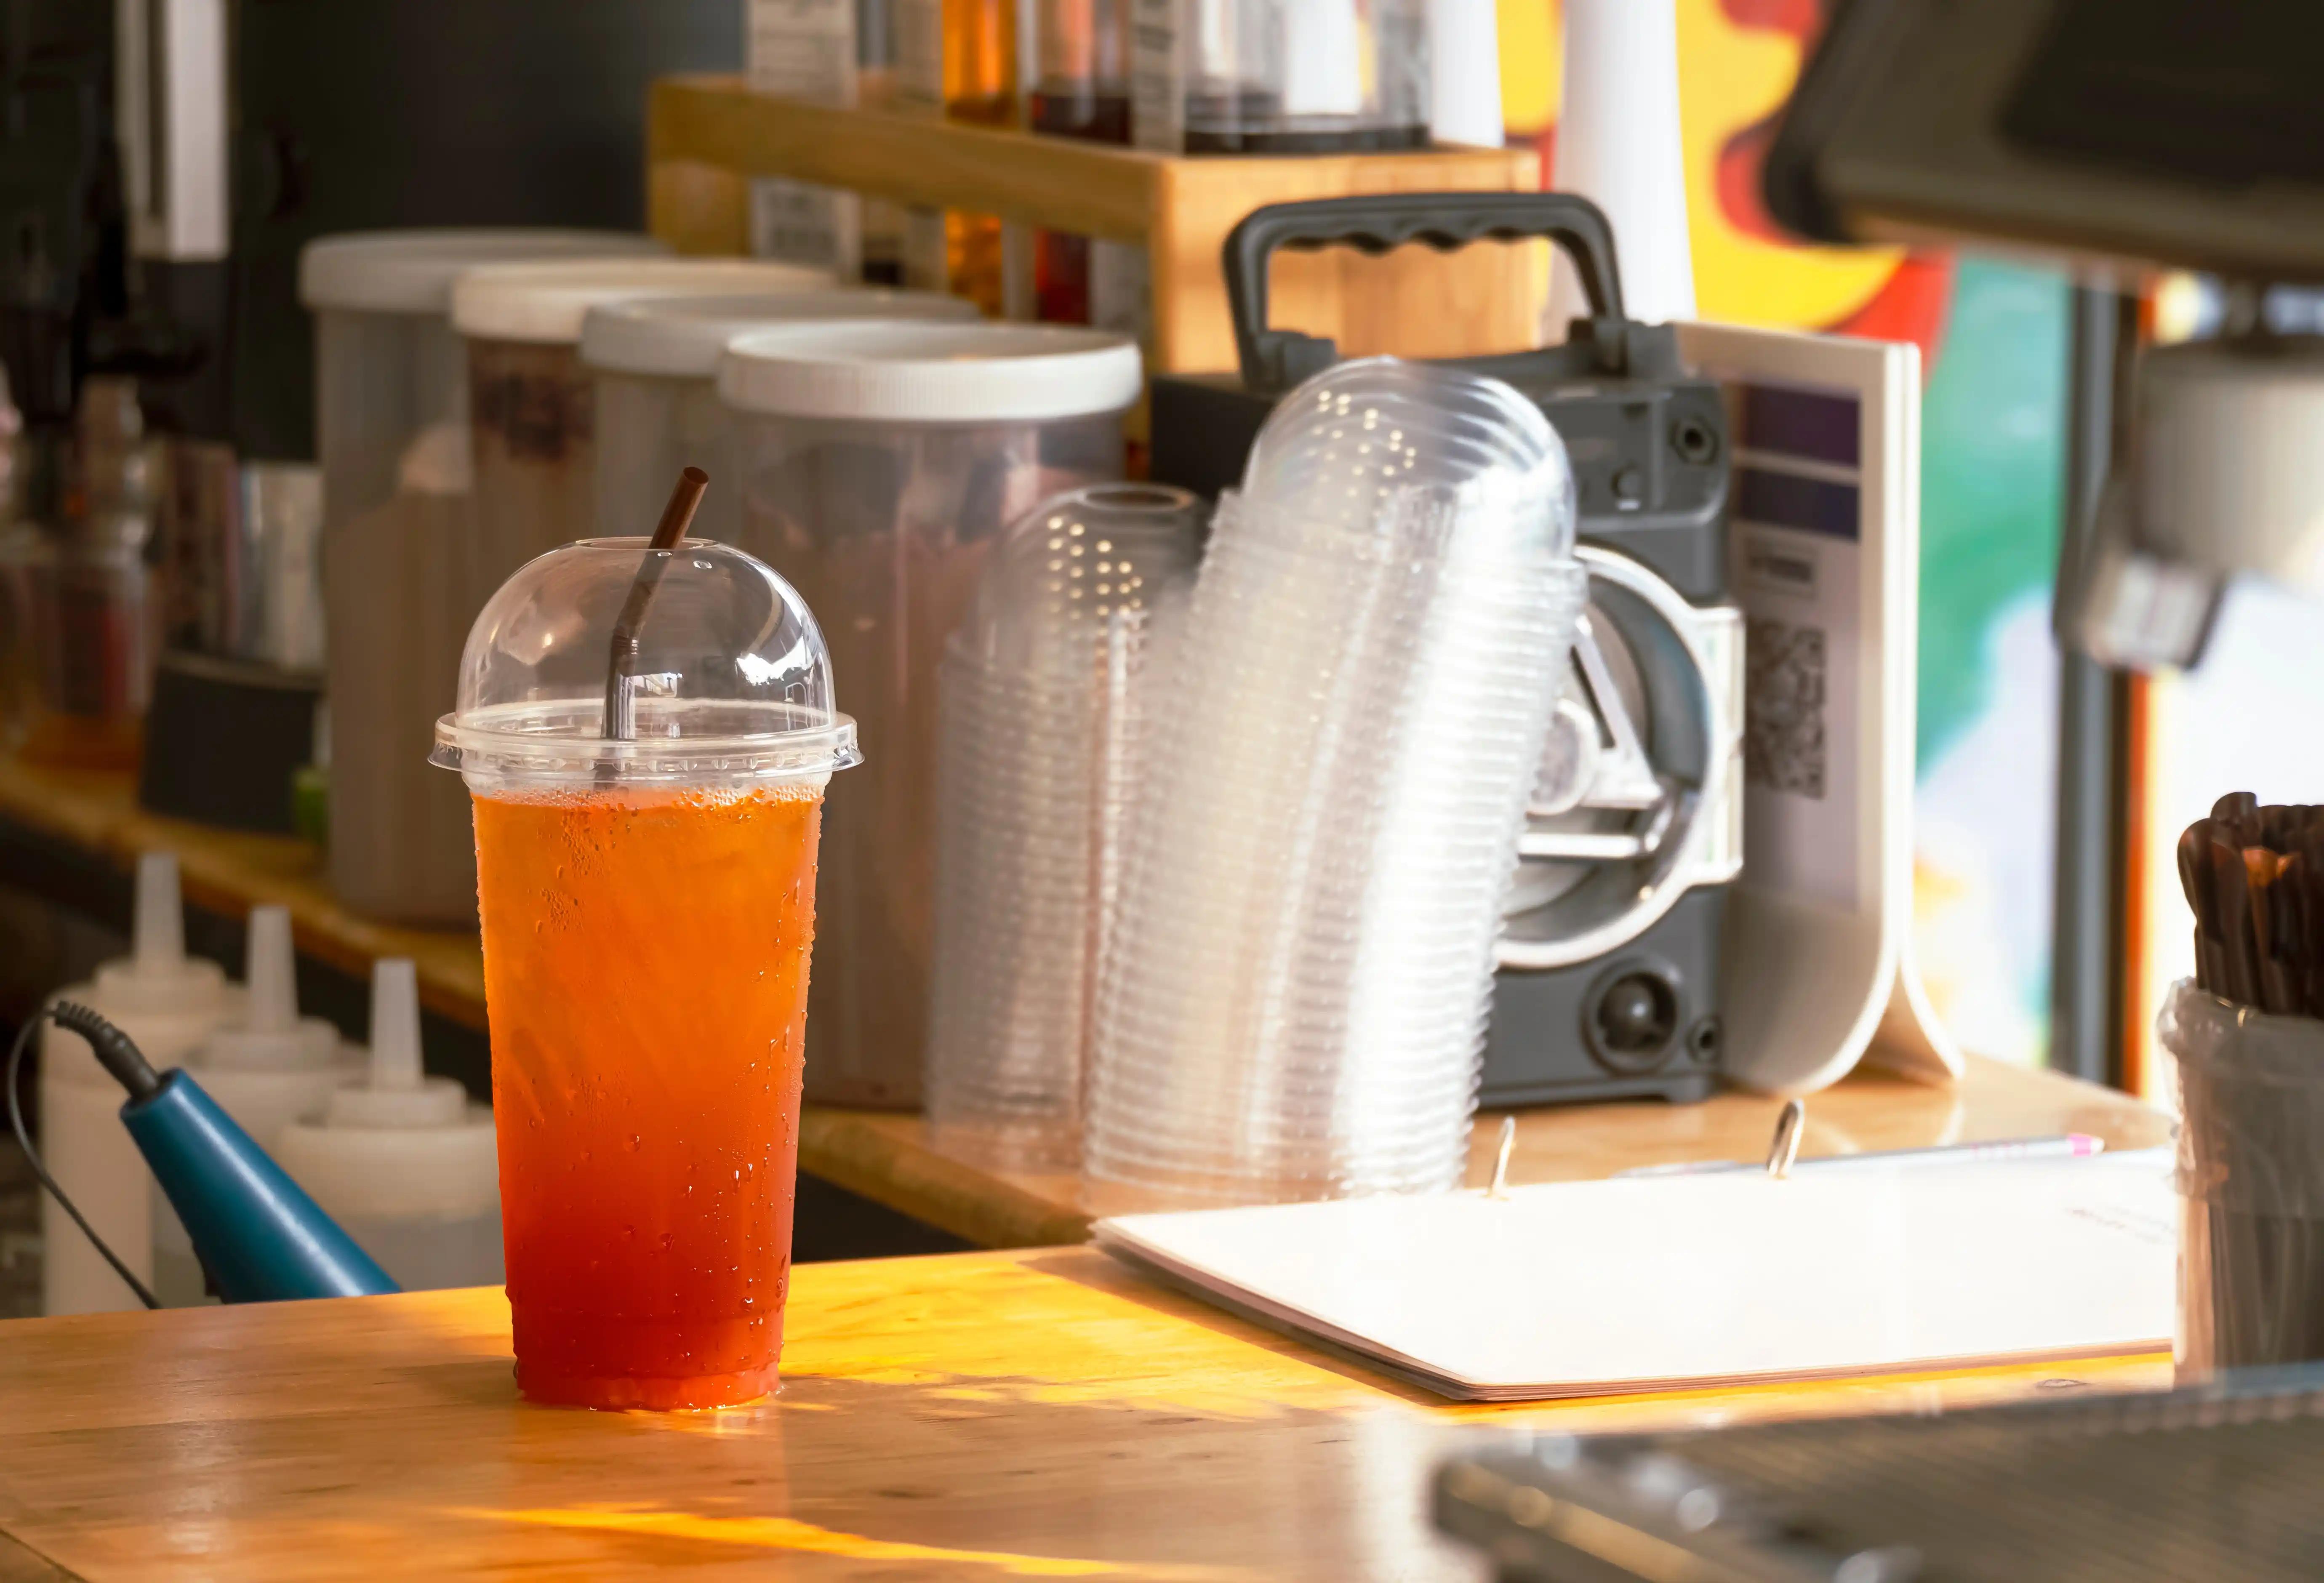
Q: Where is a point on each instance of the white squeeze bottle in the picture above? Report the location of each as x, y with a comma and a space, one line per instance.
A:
403, 1161
266, 1069
168, 1003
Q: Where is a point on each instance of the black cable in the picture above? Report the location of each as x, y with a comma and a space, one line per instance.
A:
23, 1139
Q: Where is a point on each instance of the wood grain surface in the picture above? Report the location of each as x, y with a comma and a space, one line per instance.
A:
1487, 298
980, 1415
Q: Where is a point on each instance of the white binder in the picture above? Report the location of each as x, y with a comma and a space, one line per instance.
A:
1595, 1288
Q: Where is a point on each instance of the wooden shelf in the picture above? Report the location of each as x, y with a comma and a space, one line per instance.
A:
892, 1160
923, 160
706, 136
228, 873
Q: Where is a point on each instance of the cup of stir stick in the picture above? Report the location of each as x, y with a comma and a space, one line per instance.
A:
2251, 1183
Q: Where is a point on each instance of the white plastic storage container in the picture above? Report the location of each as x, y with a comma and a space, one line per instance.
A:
534, 407
881, 462
398, 590
1047, 687
655, 362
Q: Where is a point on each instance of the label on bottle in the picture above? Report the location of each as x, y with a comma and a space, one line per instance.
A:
927, 261
796, 223
1122, 292
1157, 77
918, 32
803, 49
1019, 296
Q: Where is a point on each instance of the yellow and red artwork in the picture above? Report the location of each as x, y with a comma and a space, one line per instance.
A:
1737, 61
1993, 341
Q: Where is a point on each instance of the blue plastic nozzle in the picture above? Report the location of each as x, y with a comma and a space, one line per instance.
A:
261, 1237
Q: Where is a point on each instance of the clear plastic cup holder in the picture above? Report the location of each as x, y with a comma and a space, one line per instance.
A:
1041, 719
1296, 1003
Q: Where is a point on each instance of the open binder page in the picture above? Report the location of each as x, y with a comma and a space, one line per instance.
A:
1617, 1287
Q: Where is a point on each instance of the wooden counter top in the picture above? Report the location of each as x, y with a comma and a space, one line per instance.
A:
979, 1415
891, 1159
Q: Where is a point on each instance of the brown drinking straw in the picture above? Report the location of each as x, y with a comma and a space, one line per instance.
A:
620, 726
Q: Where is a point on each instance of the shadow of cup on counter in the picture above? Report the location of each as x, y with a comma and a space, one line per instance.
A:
2251, 1183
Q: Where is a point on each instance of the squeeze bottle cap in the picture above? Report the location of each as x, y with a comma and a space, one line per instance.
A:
158, 976
398, 1093
399, 1146
273, 1036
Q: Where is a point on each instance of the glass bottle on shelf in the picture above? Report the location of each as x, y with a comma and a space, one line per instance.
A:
1081, 90
1279, 77
965, 57
96, 611
25, 550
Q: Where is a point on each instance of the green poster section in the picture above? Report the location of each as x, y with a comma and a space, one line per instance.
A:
1993, 463
1993, 449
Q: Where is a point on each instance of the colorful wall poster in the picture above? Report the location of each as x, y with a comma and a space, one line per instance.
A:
1994, 341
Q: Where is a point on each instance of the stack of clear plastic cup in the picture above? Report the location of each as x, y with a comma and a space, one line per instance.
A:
1294, 999
1041, 712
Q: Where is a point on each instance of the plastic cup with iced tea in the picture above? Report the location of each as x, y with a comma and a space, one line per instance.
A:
646, 859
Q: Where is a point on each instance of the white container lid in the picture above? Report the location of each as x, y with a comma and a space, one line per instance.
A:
400, 1143
545, 303
681, 338
271, 1036
930, 373
412, 272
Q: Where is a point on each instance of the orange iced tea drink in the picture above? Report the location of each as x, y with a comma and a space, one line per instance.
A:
645, 976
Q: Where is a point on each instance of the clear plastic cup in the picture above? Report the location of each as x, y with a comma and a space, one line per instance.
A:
2250, 1087
1044, 696
1293, 1001
648, 908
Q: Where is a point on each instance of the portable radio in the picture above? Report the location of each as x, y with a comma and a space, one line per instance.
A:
1608, 982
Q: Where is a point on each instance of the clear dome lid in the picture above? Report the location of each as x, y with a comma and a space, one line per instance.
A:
1067, 572
727, 683
1366, 440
